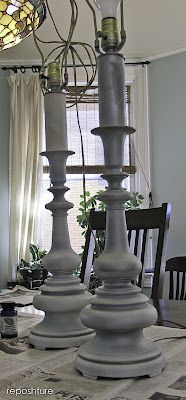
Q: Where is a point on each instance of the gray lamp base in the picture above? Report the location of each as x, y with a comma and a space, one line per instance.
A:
62, 296
132, 360
119, 348
42, 340
61, 327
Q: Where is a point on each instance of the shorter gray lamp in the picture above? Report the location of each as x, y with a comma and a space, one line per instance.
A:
62, 296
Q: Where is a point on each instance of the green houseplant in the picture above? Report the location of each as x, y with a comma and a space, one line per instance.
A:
32, 270
86, 203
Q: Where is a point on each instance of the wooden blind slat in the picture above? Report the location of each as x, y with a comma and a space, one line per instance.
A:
91, 95
91, 169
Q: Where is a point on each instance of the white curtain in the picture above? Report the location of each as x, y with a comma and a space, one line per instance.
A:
141, 141
140, 121
26, 129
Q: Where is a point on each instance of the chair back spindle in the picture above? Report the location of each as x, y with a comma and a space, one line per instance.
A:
176, 268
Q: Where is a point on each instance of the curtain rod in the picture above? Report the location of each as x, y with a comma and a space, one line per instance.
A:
37, 68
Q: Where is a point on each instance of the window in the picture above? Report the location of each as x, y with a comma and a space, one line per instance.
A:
93, 149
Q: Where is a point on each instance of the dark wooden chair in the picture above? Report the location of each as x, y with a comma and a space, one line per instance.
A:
139, 224
177, 284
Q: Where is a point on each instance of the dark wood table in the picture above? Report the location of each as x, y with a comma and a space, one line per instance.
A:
171, 313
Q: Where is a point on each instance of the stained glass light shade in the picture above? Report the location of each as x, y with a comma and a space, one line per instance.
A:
16, 18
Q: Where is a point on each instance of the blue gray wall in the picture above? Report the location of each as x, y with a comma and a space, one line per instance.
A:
4, 150
167, 110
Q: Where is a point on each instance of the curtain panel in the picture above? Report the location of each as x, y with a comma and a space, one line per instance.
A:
140, 121
25, 165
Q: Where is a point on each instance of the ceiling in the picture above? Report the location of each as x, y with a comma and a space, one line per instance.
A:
154, 28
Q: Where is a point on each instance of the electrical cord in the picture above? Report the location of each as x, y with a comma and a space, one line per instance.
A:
63, 49
174, 323
94, 17
171, 338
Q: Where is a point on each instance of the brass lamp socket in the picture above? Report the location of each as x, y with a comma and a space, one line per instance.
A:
54, 75
110, 37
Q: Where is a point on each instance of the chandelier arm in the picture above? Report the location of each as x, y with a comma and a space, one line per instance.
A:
83, 64
93, 63
97, 47
74, 17
78, 92
86, 48
36, 43
122, 32
73, 22
55, 26
86, 45
94, 16
80, 132
47, 42
77, 11
64, 64
94, 70
66, 47
52, 51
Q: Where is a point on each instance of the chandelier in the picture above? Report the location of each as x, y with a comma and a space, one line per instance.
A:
18, 18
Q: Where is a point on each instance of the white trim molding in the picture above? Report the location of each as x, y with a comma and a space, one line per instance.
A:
167, 54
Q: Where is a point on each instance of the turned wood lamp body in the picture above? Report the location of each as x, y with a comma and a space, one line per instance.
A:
119, 311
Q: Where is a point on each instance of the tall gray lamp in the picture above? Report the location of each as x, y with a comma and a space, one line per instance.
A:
119, 311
